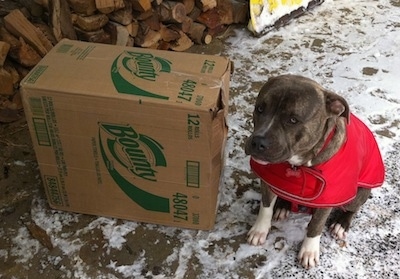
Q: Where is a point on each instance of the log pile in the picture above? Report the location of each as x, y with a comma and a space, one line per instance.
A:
28, 33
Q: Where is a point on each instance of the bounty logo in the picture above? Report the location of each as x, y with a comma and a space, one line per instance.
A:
126, 152
130, 67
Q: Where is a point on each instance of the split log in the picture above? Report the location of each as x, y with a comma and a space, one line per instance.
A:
60, 20
18, 25
186, 24
206, 5
195, 13
144, 15
40, 234
108, 6
225, 11
141, 5
153, 22
198, 34
123, 16
119, 33
162, 45
91, 23
6, 83
119, 4
170, 11
105, 6
189, 5
98, 36
131, 41
22, 71
168, 34
221, 15
147, 38
84, 7
9, 67
122, 36
217, 30
183, 43
110, 29
211, 19
25, 54
17, 101
19, 51
4, 48
133, 28
9, 38
46, 30
35, 9
240, 11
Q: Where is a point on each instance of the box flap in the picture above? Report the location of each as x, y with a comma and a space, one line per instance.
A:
131, 73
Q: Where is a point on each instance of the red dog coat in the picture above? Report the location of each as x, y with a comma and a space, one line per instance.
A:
358, 163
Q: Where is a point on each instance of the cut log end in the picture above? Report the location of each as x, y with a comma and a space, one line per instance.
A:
207, 39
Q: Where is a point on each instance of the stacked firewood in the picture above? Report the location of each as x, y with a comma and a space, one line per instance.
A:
162, 24
28, 33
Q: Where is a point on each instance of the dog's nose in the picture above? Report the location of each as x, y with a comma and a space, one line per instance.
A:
259, 143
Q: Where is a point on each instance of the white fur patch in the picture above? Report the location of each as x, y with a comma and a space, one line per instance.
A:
309, 252
258, 233
295, 160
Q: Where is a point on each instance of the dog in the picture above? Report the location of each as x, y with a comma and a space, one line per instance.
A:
310, 152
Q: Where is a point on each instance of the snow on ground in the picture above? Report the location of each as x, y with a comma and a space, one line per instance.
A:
350, 47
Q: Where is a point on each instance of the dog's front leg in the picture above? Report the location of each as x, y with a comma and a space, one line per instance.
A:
258, 233
309, 251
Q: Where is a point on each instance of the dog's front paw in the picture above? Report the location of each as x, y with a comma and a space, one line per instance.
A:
309, 252
258, 234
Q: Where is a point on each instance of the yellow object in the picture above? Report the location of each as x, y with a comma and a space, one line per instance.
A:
264, 13
273, 4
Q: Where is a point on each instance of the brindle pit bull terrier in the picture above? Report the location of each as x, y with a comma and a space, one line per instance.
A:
310, 151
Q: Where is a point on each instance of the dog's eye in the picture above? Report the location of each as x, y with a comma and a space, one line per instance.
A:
260, 108
293, 120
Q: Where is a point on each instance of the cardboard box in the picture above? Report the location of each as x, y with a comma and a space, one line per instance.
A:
131, 133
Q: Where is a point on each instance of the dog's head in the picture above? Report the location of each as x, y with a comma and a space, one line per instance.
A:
293, 116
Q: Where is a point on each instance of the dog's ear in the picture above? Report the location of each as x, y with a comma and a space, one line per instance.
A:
337, 105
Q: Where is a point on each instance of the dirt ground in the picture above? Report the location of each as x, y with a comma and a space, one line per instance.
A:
19, 170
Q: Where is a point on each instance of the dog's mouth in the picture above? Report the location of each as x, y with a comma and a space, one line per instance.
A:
261, 162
